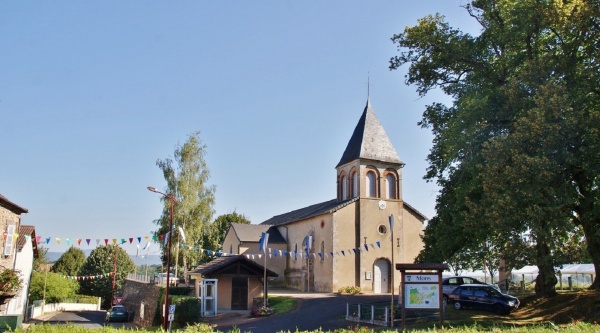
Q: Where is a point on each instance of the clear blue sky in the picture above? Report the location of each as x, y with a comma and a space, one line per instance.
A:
92, 93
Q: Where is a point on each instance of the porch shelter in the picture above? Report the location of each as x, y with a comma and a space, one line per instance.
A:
240, 281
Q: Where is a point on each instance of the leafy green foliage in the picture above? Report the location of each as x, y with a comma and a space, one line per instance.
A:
349, 290
100, 263
517, 154
187, 312
54, 286
220, 227
10, 280
187, 181
40, 262
69, 262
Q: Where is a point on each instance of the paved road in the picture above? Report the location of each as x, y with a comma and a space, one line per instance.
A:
325, 311
87, 319
314, 311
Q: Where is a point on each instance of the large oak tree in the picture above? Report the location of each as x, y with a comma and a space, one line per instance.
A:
518, 151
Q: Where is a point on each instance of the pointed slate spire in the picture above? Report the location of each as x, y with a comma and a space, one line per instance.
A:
369, 141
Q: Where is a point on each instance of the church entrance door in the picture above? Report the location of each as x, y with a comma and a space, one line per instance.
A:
380, 278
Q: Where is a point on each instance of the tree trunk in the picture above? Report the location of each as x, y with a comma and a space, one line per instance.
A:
593, 246
185, 271
545, 282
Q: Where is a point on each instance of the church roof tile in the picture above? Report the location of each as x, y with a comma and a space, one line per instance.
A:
369, 141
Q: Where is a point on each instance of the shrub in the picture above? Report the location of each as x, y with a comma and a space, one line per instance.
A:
349, 290
188, 309
262, 311
10, 282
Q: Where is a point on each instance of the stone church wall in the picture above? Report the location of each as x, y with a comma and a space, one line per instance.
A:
344, 239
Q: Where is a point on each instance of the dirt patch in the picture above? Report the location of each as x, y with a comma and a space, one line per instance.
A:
563, 308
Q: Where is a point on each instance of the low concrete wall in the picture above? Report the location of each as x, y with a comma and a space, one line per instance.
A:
56, 307
38, 311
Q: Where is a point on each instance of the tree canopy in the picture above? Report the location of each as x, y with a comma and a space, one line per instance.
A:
221, 225
517, 153
101, 262
53, 286
187, 176
69, 262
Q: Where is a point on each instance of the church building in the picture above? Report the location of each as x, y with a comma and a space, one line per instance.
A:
353, 240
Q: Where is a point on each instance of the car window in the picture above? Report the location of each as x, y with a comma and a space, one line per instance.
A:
494, 292
480, 293
466, 292
453, 281
467, 280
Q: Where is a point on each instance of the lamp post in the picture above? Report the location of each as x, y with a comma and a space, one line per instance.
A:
172, 199
112, 293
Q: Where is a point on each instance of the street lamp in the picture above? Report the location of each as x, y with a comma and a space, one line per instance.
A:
172, 199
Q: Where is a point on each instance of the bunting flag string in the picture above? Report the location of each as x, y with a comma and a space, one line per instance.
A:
84, 277
271, 252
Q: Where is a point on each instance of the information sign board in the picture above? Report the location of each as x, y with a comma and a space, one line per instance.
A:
421, 278
422, 296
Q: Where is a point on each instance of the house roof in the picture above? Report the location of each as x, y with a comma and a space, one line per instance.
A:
232, 265
27, 230
369, 141
13, 207
326, 207
419, 214
252, 232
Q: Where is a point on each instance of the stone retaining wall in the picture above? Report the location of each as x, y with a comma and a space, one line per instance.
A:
141, 301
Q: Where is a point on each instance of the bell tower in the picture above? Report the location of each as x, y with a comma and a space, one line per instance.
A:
370, 166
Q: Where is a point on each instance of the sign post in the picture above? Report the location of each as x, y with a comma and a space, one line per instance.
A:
171, 315
422, 288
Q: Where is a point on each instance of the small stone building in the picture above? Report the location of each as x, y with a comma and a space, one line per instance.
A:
240, 281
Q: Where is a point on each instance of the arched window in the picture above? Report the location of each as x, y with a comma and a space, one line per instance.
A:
390, 181
354, 184
371, 184
344, 188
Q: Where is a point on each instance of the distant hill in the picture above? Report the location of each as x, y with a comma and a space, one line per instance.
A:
149, 260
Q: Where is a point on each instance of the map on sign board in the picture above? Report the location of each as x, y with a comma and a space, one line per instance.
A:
423, 296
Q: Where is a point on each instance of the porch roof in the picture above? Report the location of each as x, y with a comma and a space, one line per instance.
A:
231, 265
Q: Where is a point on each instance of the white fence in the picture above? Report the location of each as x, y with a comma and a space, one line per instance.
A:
40, 310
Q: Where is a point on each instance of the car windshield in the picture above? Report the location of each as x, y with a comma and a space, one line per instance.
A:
493, 292
118, 310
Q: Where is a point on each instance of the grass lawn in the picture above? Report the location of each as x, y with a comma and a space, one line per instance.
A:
282, 304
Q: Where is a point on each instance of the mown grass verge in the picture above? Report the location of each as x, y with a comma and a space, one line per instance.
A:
578, 327
281, 304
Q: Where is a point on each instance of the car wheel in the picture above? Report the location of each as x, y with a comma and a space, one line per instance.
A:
457, 306
499, 309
